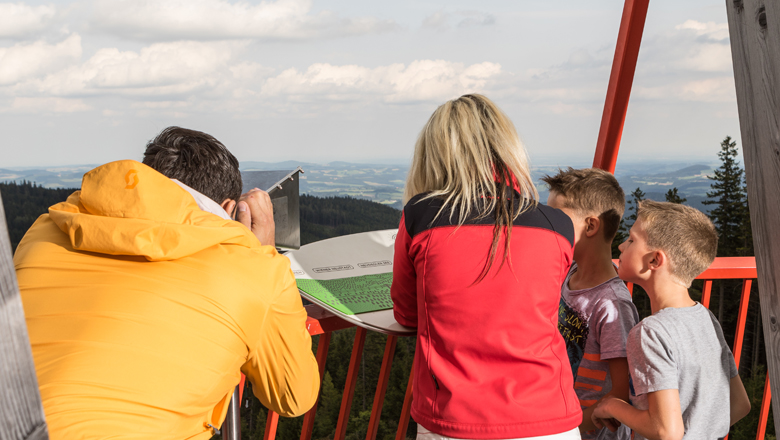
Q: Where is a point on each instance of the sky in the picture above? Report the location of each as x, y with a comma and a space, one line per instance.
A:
91, 81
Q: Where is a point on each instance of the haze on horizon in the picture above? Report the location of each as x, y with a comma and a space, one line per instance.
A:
316, 81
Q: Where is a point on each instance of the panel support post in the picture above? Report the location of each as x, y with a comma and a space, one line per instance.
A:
754, 30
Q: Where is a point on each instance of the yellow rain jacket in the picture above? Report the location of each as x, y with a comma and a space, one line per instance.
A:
142, 309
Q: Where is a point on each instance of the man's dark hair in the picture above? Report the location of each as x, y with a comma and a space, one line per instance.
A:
197, 160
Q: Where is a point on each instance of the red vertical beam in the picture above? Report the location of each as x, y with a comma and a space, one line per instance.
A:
403, 423
764, 415
706, 293
349, 387
381, 387
620, 80
241, 385
270, 425
630, 287
322, 355
741, 319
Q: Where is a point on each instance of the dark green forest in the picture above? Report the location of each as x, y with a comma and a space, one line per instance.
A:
334, 216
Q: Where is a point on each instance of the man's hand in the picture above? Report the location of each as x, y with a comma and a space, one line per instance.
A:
256, 213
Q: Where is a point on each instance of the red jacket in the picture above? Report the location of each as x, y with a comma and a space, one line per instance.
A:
490, 361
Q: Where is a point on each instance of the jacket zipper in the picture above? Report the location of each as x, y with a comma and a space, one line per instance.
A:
435, 394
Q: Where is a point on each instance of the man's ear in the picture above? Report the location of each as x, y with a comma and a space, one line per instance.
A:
229, 205
592, 226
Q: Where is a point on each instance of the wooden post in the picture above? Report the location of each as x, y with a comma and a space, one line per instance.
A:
754, 28
21, 411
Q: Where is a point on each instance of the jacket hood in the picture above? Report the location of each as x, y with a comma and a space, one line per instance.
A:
128, 208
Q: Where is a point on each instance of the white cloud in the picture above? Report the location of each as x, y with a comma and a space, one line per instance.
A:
25, 60
221, 19
440, 20
18, 20
710, 29
48, 105
159, 69
422, 80
720, 89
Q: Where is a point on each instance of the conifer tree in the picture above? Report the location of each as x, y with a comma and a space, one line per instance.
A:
637, 196
673, 197
729, 198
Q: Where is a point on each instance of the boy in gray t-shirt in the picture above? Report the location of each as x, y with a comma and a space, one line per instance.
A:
596, 312
683, 348
684, 380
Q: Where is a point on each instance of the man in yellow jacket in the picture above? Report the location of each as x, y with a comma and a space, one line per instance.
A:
144, 299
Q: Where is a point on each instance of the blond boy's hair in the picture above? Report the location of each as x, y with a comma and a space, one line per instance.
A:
591, 191
685, 234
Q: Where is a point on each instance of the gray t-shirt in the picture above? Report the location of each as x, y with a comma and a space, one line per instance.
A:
595, 323
684, 349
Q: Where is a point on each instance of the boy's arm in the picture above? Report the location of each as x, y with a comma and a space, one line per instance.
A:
618, 371
740, 403
662, 420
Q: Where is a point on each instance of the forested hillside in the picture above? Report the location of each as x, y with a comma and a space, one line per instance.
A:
320, 217
24, 203
325, 217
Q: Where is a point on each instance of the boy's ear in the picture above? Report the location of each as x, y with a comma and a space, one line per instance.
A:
592, 226
658, 260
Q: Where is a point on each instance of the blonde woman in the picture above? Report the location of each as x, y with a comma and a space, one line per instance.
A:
478, 271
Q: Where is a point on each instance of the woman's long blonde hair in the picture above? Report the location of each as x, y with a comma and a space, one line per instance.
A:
469, 151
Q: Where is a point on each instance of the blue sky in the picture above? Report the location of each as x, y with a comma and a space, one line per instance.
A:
90, 81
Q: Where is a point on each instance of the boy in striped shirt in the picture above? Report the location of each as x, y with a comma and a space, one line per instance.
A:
596, 312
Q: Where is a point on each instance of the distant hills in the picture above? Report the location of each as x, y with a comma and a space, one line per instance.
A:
384, 183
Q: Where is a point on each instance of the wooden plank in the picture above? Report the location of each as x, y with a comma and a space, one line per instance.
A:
21, 410
754, 30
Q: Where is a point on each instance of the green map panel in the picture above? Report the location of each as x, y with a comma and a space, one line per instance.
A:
367, 293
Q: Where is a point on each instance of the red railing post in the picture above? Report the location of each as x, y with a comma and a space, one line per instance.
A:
742, 318
381, 387
322, 354
349, 387
706, 293
270, 425
620, 80
403, 423
764, 414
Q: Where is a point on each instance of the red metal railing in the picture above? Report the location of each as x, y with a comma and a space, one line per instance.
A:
323, 323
